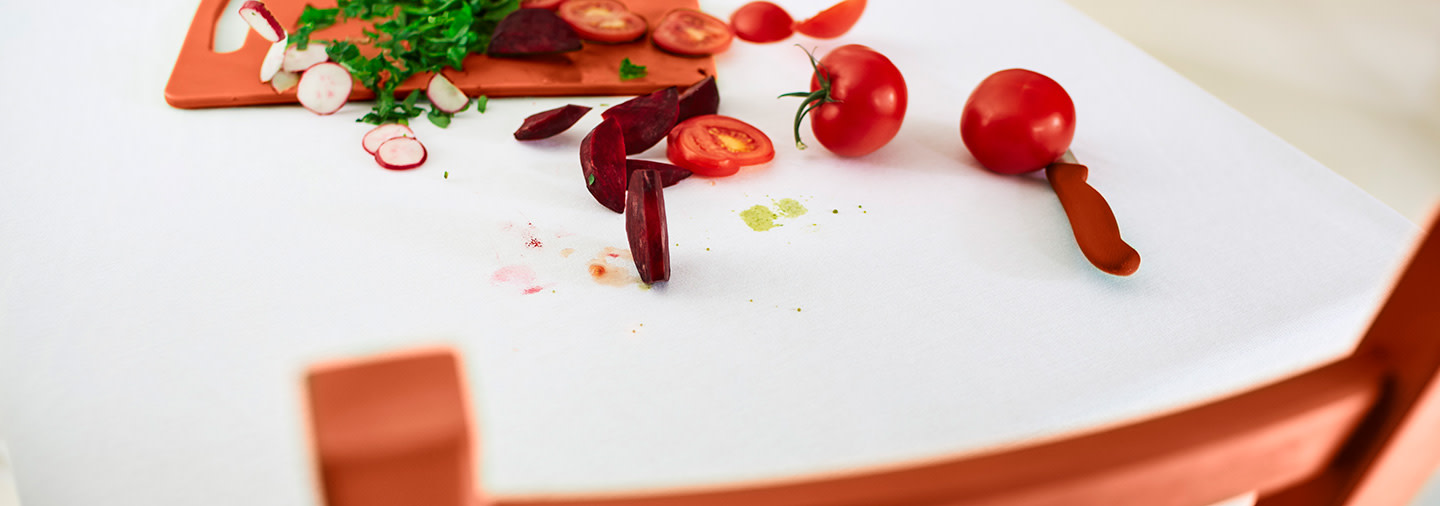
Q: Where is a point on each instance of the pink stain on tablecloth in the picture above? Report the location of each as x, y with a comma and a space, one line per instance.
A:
520, 276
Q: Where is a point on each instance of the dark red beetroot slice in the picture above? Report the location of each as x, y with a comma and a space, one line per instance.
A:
602, 159
646, 119
645, 224
550, 123
533, 31
699, 99
669, 174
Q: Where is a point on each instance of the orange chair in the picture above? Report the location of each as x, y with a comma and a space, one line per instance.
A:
1362, 431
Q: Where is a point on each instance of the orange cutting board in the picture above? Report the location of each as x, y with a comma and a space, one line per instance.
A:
204, 78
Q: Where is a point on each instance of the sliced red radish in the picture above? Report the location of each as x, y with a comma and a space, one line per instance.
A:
646, 119
645, 225
669, 174
324, 88
602, 160
284, 80
274, 59
298, 60
531, 32
401, 153
546, 124
699, 99
378, 135
260, 20
445, 96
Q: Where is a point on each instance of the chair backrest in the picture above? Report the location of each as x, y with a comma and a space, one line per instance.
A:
1362, 431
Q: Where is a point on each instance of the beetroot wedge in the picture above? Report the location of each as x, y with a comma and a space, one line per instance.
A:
646, 119
533, 32
699, 99
645, 224
550, 123
602, 159
669, 174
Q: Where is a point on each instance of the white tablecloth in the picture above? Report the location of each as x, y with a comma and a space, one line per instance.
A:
166, 275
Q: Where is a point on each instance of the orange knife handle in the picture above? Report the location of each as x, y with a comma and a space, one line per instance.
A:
1096, 231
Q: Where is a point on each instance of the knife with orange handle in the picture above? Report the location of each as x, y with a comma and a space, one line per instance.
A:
1096, 231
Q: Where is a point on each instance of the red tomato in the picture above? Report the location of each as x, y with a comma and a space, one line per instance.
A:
540, 4
692, 33
715, 145
762, 22
603, 20
833, 22
1017, 121
859, 105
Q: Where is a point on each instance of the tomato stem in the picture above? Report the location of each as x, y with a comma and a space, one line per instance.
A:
813, 99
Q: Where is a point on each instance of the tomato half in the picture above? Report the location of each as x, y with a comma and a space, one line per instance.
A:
859, 101
833, 22
692, 33
603, 20
762, 22
1017, 121
716, 146
540, 4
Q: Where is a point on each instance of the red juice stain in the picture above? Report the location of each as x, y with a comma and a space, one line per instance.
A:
519, 276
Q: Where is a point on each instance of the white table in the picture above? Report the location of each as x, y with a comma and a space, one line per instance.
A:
168, 274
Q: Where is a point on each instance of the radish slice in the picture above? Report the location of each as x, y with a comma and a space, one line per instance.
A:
284, 80
298, 60
378, 135
445, 96
260, 20
324, 88
274, 59
400, 153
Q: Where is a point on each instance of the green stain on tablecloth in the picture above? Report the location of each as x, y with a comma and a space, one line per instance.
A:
759, 218
790, 208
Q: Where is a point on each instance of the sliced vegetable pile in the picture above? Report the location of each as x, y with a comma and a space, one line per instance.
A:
702, 143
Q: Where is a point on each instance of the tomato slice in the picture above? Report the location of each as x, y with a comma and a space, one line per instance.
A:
762, 22
540, 4
833, 22
692, 33
717, 146
603, 20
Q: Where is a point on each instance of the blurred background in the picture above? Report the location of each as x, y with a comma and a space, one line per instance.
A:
1356, 85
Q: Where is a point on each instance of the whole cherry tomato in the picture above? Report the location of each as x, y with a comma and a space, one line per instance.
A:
856, 101
1017, 121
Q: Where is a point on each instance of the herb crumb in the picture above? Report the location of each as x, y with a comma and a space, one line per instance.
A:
630, 70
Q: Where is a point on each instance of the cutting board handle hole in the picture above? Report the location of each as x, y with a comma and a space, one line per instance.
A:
230, 29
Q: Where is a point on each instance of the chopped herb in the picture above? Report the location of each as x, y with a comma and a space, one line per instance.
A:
439, 118
413, 37
312, 19
630, 71
447, 174
480, 103
589, 180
